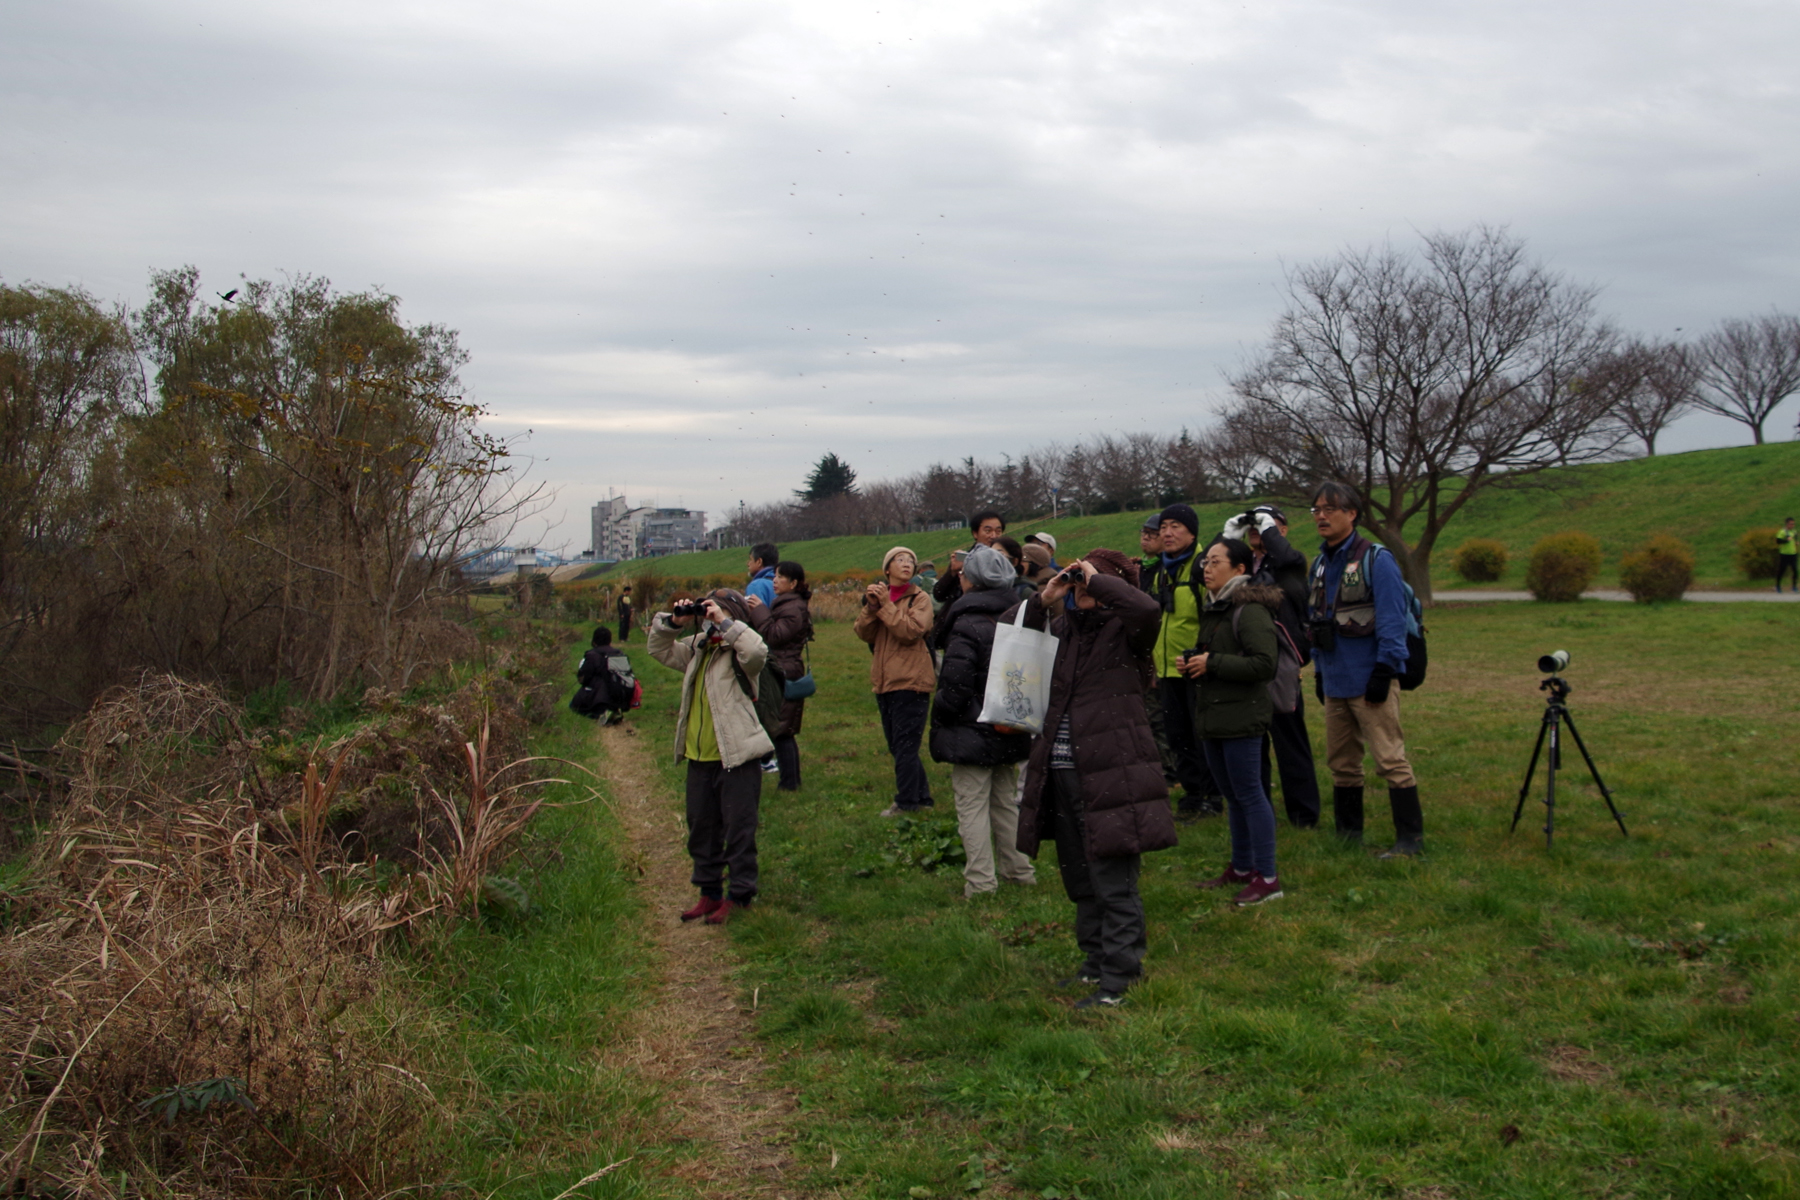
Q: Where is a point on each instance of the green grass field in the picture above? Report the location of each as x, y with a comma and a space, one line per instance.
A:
1705, 497
1616, 1017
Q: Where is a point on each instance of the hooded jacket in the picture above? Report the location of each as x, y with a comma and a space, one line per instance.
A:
740, 735
1232, 699
896, 631
1098, 681
967, 637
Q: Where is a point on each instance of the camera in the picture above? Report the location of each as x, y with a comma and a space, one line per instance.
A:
1324, 633
1551, 663
687, 608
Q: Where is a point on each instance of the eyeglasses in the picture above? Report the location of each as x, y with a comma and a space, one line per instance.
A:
1327, 511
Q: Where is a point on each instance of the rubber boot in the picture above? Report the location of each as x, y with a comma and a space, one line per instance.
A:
1347, 812
787, 756
1409, 823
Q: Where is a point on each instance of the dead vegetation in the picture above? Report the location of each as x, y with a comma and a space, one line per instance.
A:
192, 1002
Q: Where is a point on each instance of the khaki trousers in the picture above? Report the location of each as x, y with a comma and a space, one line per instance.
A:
1353, 725
987, 816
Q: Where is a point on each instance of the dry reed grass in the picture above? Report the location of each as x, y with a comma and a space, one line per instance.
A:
198, 942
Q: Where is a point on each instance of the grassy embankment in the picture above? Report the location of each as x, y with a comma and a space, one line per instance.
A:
1613, 1018
1705, 497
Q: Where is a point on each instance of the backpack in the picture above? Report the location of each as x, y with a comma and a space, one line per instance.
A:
1284, 689
626, 691
1417, 656
766, 696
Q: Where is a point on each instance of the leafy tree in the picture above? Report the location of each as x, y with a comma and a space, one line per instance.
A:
831, 476
1425, 380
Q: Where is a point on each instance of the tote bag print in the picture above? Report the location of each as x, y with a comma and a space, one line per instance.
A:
1018, 681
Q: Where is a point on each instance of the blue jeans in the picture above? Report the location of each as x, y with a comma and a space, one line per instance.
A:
1236, 764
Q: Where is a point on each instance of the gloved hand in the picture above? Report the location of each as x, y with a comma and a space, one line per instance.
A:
1237, 528
1265, 521
1381, 679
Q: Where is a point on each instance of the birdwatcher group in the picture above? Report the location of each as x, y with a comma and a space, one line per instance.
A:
1071, 702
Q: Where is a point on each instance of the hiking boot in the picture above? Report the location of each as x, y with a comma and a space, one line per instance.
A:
707, 906
722, 914
1231, 878
1102, 999
1260, 889
1405, 848
1081, 978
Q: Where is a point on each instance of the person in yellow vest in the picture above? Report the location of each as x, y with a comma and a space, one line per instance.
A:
1787, 546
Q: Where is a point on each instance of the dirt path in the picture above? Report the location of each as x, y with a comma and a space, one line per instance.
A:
695, 1038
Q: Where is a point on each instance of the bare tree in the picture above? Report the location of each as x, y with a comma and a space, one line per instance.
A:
1426, 380
1649, 385
1748, 367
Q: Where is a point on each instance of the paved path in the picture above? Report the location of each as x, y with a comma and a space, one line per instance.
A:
1770, 597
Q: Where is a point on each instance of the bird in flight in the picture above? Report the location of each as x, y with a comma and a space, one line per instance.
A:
226, 296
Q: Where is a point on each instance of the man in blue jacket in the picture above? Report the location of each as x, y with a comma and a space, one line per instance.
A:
1357, 613
761, 568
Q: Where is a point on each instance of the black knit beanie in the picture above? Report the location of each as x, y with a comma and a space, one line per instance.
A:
1182, 513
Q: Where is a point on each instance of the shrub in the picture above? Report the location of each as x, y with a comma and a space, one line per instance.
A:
1562, 566
1662, 570
1480, 560
1756, 555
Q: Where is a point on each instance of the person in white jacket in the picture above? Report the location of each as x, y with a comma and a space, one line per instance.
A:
717, 732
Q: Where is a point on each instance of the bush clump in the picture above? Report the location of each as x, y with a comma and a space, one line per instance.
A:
1562, 566
1756, 555
1480, 560
1662, 570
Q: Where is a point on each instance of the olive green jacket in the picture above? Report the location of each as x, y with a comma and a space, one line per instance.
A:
1232, 699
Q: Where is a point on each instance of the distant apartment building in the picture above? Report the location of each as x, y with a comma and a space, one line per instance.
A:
621, 531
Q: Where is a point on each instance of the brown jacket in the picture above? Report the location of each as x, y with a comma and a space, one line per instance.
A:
896, 632
787, 627
1098, 680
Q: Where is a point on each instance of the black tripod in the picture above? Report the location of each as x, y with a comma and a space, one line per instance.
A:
1556, 711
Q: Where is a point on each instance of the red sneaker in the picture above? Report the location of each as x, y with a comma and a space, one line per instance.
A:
1260, 889
722, 913
1231, 878
706, 908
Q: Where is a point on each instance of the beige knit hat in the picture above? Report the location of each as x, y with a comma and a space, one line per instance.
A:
888, 558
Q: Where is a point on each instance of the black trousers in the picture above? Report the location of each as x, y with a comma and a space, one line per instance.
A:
624, 629
903, 724
722, 809
1184, 747
1294, 757
1109, 913
1788, 566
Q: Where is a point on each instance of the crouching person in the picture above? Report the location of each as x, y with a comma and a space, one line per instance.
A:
717, 732
1094, 783
983, 758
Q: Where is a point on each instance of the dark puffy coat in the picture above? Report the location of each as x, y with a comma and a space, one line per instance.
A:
967, 631
1286, 568
956, 736
787, 627
1098, 681
1232, 699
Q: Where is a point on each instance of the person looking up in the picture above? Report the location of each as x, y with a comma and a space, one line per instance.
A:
1175, 584
1093, 785
787, 629
1357, 614
1787, 547
894, 620
719, 736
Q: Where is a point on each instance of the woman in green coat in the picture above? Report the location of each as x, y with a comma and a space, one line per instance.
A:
1231, 667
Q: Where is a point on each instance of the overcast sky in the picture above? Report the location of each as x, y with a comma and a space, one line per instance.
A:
693, 246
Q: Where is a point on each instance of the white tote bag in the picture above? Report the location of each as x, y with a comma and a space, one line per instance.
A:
1018, 681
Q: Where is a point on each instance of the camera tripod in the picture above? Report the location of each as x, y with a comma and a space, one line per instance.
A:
1556, 711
